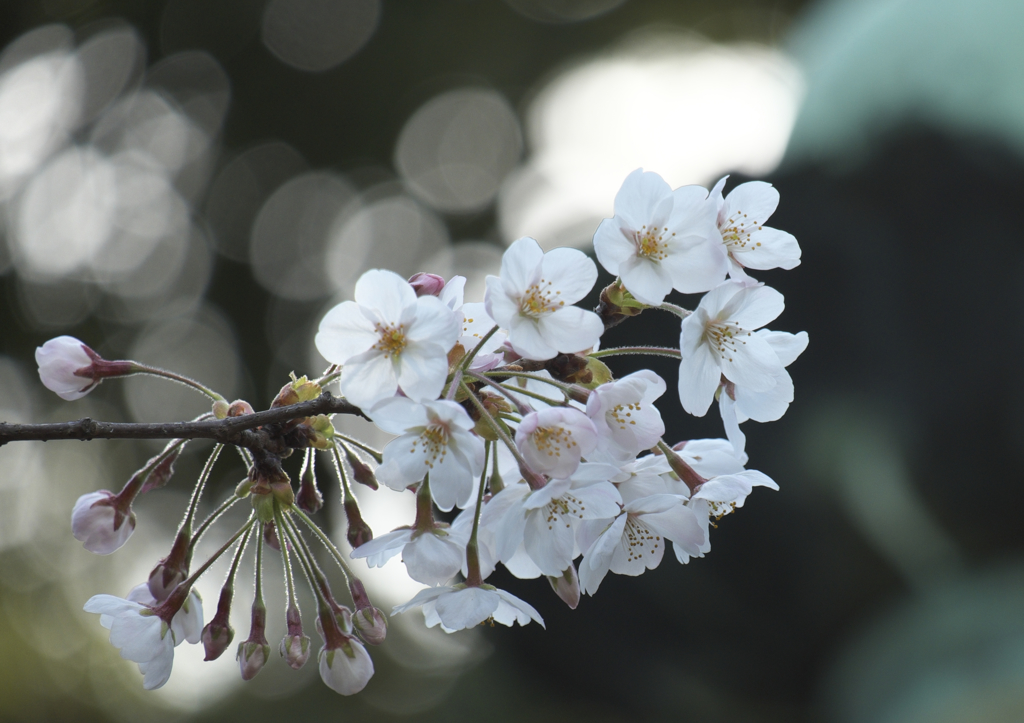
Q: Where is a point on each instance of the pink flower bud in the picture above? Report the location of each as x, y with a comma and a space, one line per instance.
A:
361, 471
359, 533
425, 284
371, 625
309, 498
59, 361
252, 656
295, 645
295, 649
99, 525
567, 587
346, 669
218, 633
71, 369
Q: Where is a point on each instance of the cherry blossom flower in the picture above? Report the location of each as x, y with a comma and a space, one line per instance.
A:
624, 415
142, 636
553, 440
460, 606
476, 323
388, 338
660, 239
436, 438
430, 556
99, 525
533, 300
187, 623
346, 669
717, 340
718, 497
737, 404
544, 521
748, 243
635, 540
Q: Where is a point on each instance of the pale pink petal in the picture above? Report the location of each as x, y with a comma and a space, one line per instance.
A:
345, 332
368, 378
571, 329
385, 291
699, 377
571, 272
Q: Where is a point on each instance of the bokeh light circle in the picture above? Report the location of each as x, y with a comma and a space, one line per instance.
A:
455, 151
316, 35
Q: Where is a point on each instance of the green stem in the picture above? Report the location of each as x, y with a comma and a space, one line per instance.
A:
289, 580
644, 350
180, 378
468, 359
377, 456
197, 492
473, 578
225, 505
673, 309
326, 542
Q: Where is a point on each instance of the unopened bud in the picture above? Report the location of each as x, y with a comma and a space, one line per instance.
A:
309, 498
295, 391
361, 471
359, 533
239, 408
270, 535
323, 431
252, 656
567, 586
371, 624
220, 409
171, 570
295, 649
161, 474
295, 645
218, 633
425, 284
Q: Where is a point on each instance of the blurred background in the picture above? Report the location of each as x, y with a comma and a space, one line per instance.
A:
192, 184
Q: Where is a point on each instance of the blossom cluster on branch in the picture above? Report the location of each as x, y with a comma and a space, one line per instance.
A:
505, 415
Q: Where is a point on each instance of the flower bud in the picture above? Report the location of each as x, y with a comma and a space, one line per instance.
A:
295, 649
252, 656
309, 498
72, 370
371, 625
220, 409
567, 586
270, 535
346, 669
171, 570
295, 645
239, 408
98, 523
254, 653
361, 471
218, 633
295, 391
425, 284
161, 474
359, 533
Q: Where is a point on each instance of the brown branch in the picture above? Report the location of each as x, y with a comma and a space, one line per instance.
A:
233, 430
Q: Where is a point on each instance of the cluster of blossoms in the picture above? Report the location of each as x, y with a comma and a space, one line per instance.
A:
505, 416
